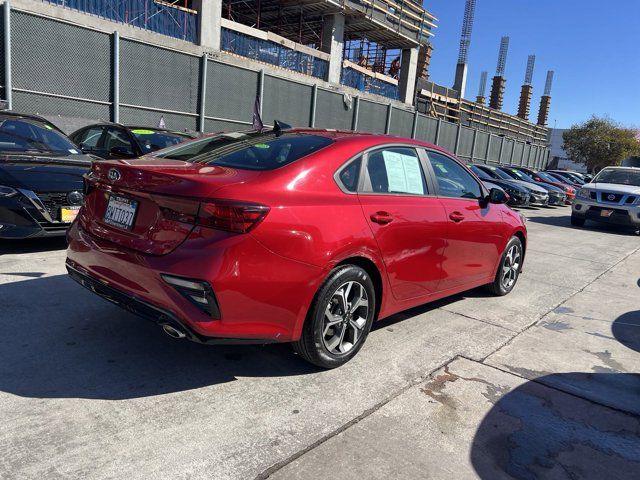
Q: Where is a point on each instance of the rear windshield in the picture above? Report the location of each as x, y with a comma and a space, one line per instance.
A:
620, 177
248, 150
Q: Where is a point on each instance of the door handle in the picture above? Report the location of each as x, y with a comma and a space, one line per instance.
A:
456, 216
381, 217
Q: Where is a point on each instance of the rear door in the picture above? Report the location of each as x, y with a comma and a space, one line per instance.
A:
474, 233
406, 219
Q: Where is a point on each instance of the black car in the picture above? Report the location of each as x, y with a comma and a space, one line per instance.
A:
115, 141
519, 196
40, 177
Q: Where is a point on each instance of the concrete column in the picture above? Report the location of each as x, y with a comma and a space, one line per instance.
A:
209, 23
408, 72
333, 44
460, 82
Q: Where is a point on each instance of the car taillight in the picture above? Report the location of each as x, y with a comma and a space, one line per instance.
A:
233, 217
237, 217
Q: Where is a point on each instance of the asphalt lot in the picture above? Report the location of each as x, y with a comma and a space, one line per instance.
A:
542, 383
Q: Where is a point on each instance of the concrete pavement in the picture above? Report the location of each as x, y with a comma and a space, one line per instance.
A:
473, 386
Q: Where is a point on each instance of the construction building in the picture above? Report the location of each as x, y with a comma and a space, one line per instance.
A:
360, 64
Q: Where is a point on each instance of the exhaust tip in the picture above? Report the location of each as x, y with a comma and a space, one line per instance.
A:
173, 332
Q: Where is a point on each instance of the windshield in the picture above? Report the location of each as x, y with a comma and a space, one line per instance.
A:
547, 177
619, 177
30, 135
496, 173
151, 140
518, 174
480, 173
248, 150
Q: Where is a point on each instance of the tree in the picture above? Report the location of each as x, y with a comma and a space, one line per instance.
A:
600, 142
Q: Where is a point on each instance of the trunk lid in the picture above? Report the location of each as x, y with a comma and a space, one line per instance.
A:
164, 198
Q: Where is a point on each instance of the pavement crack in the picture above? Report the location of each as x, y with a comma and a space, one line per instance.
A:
478, 319
552, 309
279, 465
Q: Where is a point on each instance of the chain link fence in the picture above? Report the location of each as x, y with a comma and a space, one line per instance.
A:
70, 72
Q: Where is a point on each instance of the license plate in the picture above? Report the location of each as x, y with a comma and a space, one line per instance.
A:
68, 214
121, 212
606, 213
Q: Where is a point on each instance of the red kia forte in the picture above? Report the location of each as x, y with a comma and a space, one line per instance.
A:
290, 235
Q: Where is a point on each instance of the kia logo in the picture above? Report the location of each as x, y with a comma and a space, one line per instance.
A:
74, 198
611, 197
114, 175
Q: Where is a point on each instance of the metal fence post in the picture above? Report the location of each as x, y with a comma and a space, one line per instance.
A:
8, 89
260, 91
457, 145
204, 63
501, 150
356, 114
473, 145
387, 127
486, 155
438, 131
513, 150
414, 127
524, 145
314, 103
115, 113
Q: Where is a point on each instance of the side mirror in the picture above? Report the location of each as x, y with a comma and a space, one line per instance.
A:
498, 196
121, 152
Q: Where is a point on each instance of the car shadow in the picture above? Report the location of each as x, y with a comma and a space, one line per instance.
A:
61, 341
626, 329
566, 222
535, 431
33, 245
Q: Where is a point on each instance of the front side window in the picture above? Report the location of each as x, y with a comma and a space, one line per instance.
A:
117, 138
90, 137
453, 179
396, 170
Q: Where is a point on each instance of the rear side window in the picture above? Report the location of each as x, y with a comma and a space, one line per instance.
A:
396, 170
250, 151
350, 175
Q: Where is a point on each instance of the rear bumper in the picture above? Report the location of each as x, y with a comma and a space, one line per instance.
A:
148, 311
262, 297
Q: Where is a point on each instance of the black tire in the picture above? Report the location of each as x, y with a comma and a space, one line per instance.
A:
315, 344
577, 221
500, 286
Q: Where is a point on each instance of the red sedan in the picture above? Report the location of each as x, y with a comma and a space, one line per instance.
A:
300, 235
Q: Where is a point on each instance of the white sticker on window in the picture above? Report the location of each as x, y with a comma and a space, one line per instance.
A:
403, 173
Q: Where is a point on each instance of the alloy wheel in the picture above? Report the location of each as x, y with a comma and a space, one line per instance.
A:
511, 267
345, 317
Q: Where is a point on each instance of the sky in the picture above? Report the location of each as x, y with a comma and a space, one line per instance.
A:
593, 46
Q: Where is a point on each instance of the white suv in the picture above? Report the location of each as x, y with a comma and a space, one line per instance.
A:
613, 196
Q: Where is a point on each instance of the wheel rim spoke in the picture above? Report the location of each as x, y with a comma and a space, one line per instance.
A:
345, 317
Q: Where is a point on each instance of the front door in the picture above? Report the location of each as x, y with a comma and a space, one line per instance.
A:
473, 234
406, 219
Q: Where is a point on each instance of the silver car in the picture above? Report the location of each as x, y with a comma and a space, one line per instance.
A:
613, 196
